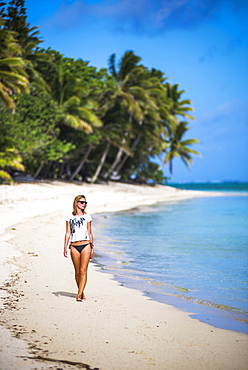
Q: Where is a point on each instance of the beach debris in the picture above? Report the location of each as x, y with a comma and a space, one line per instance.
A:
75, 363
33, 254
184, 290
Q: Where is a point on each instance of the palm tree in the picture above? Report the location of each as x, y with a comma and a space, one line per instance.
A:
13, 78
68, 91
92, 141
156, 116
112, 134
175, 146
174, 104
87, 95
77, 109
133, 90
149, 139
15, 20
32, 56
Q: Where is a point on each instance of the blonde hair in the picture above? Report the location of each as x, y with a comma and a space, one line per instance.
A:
77, 198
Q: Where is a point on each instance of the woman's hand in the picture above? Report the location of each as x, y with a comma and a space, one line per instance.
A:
92, 252
66, 252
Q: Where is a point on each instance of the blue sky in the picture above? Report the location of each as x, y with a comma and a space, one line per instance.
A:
199, 44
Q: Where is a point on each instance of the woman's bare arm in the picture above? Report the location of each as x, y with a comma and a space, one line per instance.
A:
67, 238
89, 229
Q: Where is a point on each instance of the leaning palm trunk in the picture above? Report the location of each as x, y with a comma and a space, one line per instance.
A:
99, 168
116, 161
81, 164
135, 143
118, 169
38, 171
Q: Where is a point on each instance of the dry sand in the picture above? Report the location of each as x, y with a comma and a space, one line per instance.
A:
43, 327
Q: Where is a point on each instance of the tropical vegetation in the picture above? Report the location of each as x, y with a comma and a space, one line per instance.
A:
61, 118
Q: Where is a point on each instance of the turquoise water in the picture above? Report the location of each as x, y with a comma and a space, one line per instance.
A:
232, 186
192, 254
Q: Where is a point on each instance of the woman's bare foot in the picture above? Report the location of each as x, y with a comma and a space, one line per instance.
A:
80, 297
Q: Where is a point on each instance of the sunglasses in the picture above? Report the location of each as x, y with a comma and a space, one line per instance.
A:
82, 202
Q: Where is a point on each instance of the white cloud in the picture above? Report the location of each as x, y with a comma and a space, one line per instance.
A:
139, 15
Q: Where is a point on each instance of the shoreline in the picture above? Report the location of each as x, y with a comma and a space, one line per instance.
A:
26, 200
119, 313
116, 263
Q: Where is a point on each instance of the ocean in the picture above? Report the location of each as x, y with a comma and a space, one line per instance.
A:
191, 254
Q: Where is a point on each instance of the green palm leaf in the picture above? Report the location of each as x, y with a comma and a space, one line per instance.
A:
176, 147
72, 101
77, 123
89, 116
127, 63
5, 97
4, 176
11, 62
13, 76
190, 141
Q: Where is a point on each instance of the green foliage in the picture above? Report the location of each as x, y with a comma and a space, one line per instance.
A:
33, 130
175, 146
13, 78
5, 177
9, 156
71, 91
80, 122
16, 21
149, 172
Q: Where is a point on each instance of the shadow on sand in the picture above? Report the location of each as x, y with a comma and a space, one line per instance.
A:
65, 294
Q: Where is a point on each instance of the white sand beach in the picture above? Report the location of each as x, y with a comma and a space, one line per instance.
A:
43, 327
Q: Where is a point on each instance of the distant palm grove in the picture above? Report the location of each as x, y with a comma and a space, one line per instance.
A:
61, 118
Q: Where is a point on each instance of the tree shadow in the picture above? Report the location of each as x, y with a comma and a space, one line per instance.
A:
65, 294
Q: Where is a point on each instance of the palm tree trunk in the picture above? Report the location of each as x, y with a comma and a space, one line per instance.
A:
135, 143
116, 161
99, 167
170, 166
38, 170
118, 169
81, 164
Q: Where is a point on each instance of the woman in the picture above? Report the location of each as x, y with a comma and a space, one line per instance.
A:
80, 239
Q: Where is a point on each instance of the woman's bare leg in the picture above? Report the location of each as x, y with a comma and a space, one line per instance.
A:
75, 256
84, 262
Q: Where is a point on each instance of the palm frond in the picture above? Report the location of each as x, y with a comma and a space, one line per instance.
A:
10, 62
72, 101
127, 63
190, 141
5, 176
89, 116
188, 150
77, 123
5, 97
